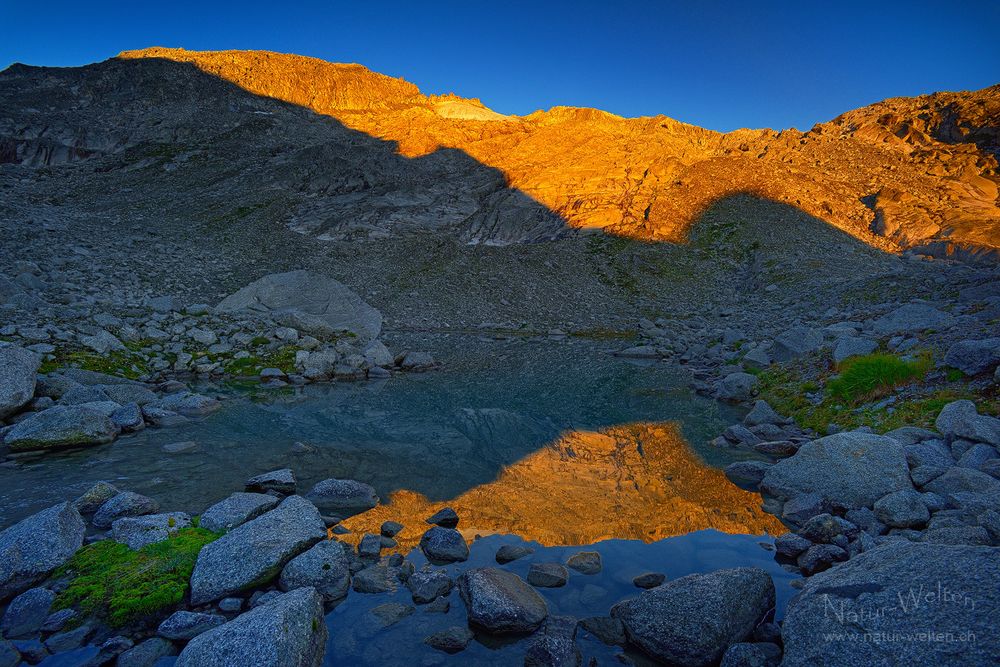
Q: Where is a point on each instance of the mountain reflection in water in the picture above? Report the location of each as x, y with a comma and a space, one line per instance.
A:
635, 481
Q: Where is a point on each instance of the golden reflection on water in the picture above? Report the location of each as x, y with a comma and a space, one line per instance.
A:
637, 481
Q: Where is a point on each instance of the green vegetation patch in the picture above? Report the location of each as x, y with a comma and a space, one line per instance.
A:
283, 358
875, 375
122, 586
121, 363
600, 333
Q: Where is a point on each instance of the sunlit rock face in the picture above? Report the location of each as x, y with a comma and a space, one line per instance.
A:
637, 481
905, 172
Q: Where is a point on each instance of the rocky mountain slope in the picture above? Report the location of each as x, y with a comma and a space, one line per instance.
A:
910, 171
904, 173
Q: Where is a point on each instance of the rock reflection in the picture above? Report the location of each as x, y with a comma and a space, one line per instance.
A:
635, 481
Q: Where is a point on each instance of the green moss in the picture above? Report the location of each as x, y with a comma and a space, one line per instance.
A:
121, 363
874, 375
257, 341
283, 358
109, 580
599, 333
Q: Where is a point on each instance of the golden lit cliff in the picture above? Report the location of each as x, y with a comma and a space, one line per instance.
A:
906, 172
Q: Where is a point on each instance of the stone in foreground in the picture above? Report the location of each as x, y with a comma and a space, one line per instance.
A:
500, 602
343, 496
17, 378
60, 427
851, 470
326, 567
444, 545
288, 631
899, 589
255, 552
694, 619
33, 547
236, 510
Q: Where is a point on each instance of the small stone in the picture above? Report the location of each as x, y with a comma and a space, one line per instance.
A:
649, 580
511, 552
281, 481
390, 528
427, 586
547, 575
125, 504
585, 562
450, 640
445, 517
185, 625
444, 545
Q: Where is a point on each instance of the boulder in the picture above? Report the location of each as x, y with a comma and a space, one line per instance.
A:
694, 619
649, 580
326, 566
128, 418
235, 510
37, 545
500, 602
91, 501
255, 552
184, 625
851, 469
450, 640
763, 413
61, 426
309, 302
17, 378
960, 419
898, 589
445, 517
511, 552
794, 343
26, 613
282, 481
554, 645
973, 357
444, 545
288, 631
547, 575
912, 318
846, 348
737, 387
427, 586
126, 503
343, 496
138, 531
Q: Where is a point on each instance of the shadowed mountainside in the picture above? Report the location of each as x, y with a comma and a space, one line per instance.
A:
906, 172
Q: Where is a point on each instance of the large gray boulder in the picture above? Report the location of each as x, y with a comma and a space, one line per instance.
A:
125, 504
973, 357
33, 547
737, 387
17, 378
851, 469
288, 631
848, 347
254, 553
912, 318
500, 602
62, 426
960, 419
794, 343
899, 589
694, 619
326, 567
308, 302
236, 510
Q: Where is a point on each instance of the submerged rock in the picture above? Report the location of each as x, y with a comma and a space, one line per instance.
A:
427, 586
500, 602
37, 545
254, 553
585, 562
511, 552
343, 496
450, 640
547, 575
694, 619
288, 631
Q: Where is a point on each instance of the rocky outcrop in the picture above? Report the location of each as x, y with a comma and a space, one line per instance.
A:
309, 302
60, 427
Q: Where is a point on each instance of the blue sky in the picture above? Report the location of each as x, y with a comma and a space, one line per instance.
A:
721, 65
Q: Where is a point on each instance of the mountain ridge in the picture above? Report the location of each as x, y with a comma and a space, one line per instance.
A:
904, 173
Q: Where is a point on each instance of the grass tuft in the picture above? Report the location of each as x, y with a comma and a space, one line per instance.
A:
873, 376
122, 586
